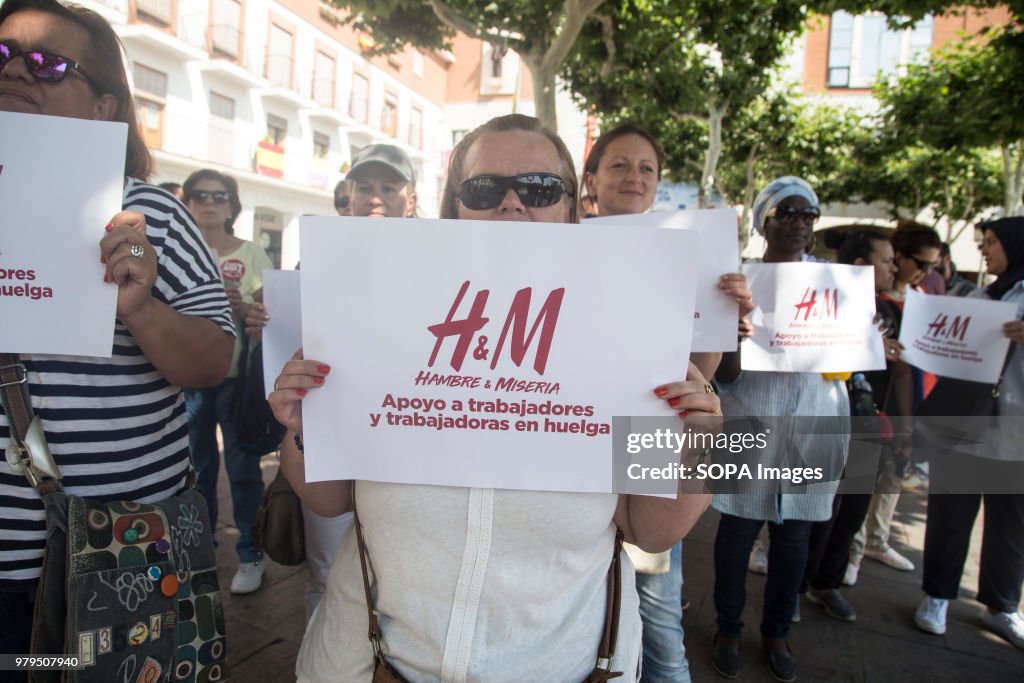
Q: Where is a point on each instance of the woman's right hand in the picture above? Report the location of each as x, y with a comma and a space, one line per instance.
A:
256, 319
297, 377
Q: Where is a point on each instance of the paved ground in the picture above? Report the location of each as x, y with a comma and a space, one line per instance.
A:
265, 628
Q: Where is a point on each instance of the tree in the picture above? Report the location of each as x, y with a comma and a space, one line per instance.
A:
968, 99
541, 32
670, 64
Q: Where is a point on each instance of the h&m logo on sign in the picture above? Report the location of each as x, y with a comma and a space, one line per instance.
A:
514, 329
814, 308
944, 328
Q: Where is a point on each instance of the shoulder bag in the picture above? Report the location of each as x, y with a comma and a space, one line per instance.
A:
385, 673
278, 528
129, 589
257, 430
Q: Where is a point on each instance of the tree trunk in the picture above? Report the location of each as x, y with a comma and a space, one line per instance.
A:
707, 180
543, 92
1013, 178
748, 196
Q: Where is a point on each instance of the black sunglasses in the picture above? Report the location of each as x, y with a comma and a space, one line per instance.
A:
48, 67
202, 196
926, 266
535, 190
788, 214
341, 203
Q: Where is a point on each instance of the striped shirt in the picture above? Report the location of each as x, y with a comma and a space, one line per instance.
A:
116, 428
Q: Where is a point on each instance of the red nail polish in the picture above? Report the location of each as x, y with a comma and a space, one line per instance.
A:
683, 413
103, 259
106, 278
300, 392
323, 369
318, 380
673, 402
660, 391
110, 226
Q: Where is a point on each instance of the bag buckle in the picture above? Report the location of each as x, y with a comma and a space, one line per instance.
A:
20, 370
32, 457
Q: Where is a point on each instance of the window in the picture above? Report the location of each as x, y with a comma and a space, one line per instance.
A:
498, 70
417, 63
279, 57
225, 34
416, 128
358, 104
323, 79
321, 145
277, 129
389, 115
150, 95
863, 48
221, 134
158, 12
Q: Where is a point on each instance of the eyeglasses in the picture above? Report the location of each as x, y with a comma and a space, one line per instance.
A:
48, 67
535, 190
341, 203
926, 266
203, 196
789, 214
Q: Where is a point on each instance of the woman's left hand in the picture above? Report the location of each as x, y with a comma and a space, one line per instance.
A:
131, 262
735, 285
693, 397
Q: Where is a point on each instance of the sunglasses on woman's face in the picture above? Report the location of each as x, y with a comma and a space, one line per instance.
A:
203, 196
926, 266
789, 214
535, 190
47, 67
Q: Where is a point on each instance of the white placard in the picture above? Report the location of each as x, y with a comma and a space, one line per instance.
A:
812, 317
282, 335
61, 181
955, 336
523, 402
717, 316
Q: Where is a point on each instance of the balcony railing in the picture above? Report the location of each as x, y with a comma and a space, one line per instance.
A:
323, 92
279, 70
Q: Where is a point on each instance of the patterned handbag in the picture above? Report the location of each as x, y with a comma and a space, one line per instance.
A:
130, 589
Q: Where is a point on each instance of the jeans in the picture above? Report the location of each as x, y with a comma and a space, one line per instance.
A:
664, 654
787, 556
206, 409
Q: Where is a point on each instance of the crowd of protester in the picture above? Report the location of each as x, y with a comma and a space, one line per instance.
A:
189, 298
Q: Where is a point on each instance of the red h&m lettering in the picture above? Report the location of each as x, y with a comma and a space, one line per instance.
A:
514, 329
957, 329
809, 305
464, 329
517, 314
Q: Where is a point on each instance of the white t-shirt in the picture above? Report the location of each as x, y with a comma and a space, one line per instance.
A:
474, 585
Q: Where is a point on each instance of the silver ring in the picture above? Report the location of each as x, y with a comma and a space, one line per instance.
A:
136, 250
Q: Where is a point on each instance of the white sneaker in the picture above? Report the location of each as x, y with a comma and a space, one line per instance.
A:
1009, 625
758, 562
890, 557
850, 575
249, 577
931, 615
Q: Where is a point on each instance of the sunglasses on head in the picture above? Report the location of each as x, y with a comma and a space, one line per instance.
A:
203, 196
788, 214
535, 190
48, 67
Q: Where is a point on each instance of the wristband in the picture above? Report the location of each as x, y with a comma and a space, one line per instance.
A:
299, 444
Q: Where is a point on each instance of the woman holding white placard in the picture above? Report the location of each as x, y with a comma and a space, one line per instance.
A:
997, 467
484, 584
621, 177
116, 425
784, 213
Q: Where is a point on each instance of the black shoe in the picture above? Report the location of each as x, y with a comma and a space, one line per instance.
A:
781, 662
725, 658
836, 606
